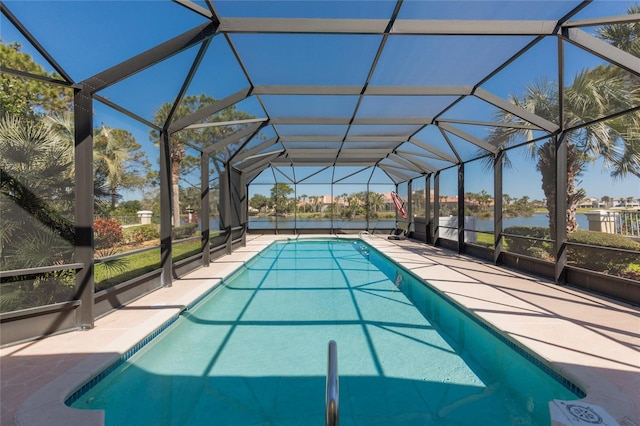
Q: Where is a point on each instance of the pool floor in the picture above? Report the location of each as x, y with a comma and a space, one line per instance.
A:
258, 355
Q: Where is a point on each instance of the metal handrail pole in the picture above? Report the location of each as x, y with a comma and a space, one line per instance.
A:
333, 388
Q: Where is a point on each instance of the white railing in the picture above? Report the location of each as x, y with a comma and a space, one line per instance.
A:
628, 223
619, 222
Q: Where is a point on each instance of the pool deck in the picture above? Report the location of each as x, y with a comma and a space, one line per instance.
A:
591, 340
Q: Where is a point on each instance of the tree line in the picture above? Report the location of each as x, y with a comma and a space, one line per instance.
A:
362, 204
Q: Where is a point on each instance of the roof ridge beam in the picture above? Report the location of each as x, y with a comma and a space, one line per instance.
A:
346, 121
282, 89
397, 138
309, 120
418, 90
474, 27
379, 26
311, 138
303, 25
408, 121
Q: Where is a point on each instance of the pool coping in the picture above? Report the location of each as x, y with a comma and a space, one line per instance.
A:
46, 404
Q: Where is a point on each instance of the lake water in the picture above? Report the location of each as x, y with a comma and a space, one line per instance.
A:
539, 219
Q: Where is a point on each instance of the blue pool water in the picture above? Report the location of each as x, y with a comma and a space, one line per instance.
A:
254, 352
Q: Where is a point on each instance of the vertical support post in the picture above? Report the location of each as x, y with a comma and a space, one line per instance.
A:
83, 246
562, 155
204, 209
560, 236
367, 203
409, 208
497, 206
333, 208
228, 223
295, 209
166, 262
427, 210
436, 207
461, 208
244, 208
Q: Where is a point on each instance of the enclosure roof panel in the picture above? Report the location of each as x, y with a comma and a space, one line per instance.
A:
404, 87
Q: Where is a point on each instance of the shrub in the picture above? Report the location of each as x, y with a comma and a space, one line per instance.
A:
107, 233
527, 246
597, 259
593, 258
185, 231
141, 233
595, 238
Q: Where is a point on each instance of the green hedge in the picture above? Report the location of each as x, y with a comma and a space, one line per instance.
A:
596, 259
526, 246
593, 258
595, 238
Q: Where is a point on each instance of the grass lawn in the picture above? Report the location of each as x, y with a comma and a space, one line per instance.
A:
123, 269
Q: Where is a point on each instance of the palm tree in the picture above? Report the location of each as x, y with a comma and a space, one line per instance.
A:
36, 201
36, 177
304, 197
199, 137
623, 36
114, 158
591, 96
376, 201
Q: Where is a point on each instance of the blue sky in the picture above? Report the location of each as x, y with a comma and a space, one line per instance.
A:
110, 33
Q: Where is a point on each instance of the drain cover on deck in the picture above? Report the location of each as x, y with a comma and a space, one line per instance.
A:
577, 413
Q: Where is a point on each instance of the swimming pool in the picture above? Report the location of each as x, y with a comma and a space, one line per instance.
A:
254, 352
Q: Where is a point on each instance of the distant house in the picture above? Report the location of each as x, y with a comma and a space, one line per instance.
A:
590, 203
